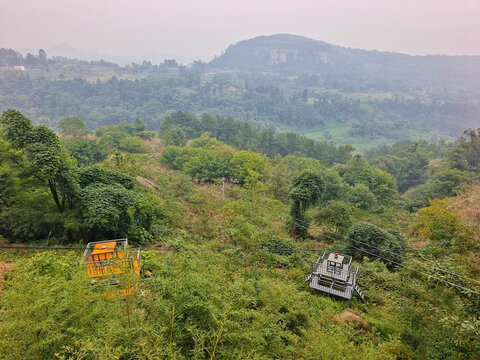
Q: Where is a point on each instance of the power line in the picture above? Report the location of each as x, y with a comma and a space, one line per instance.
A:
39, 247
415, 270
411, 259
389, 251
272, 249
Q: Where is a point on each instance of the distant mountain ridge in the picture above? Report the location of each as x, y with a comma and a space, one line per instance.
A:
66, 50
297, 54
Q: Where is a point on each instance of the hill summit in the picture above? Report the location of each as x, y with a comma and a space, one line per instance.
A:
276, 50
292, 54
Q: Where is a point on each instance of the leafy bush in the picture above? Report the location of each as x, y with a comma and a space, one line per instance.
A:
205, 141
372, 239
132, 144
211, 164
112, 139
99, 175
86, 151
335, 187
438, 224
361, 195
73, 125
336, 214
111, 211
186, 121
175, 136
277, 246
445, 182
176, 157
147, 135
51, 314
247, 162
359, 171
306, 190
466, 154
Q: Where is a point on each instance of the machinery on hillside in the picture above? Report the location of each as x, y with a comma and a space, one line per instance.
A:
111, 263
332, 274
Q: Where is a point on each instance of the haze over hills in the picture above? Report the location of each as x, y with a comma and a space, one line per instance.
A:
285, 82
292, 54
66, 50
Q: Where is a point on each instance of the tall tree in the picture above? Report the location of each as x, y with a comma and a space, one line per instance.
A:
73, 125
44, 158
466, 154
306, 190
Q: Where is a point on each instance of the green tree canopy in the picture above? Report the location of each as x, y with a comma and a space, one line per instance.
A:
100, 175
43, 158
408, 163
246, 162
187, 121
112, 211
175, 136
73, 125
16, 127
380, 183
466, 154
86, 151
132, 144
360, 195
211, 164
376, 241
337, 214
306, 190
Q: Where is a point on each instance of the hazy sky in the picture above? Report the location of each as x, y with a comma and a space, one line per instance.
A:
202, 29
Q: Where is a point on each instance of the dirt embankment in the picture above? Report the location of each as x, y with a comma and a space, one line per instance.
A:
5, 268
467, 205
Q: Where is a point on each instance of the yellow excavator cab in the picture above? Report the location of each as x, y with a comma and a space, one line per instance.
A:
106, 259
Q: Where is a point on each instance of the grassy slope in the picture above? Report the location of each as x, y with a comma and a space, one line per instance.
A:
403, 311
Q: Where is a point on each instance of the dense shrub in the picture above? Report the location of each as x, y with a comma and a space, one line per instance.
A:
438, 224
211, 164
337, 214
360, 195
96, 174
86, 151
132, 144
369, 240
359, 171
175, 136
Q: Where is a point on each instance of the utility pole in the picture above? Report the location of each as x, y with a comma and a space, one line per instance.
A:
223, 188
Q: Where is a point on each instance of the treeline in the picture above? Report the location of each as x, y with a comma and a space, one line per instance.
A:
407, 161
266, 100
443, 165
109, 102
178, 126
56, 186
425, 171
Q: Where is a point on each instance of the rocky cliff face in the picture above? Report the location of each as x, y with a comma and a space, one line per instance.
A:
277, 50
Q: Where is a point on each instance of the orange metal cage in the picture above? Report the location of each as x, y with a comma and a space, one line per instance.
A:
109, 258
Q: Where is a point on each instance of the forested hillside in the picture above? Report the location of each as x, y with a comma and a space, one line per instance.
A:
281, 82
224, 269
295, 55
